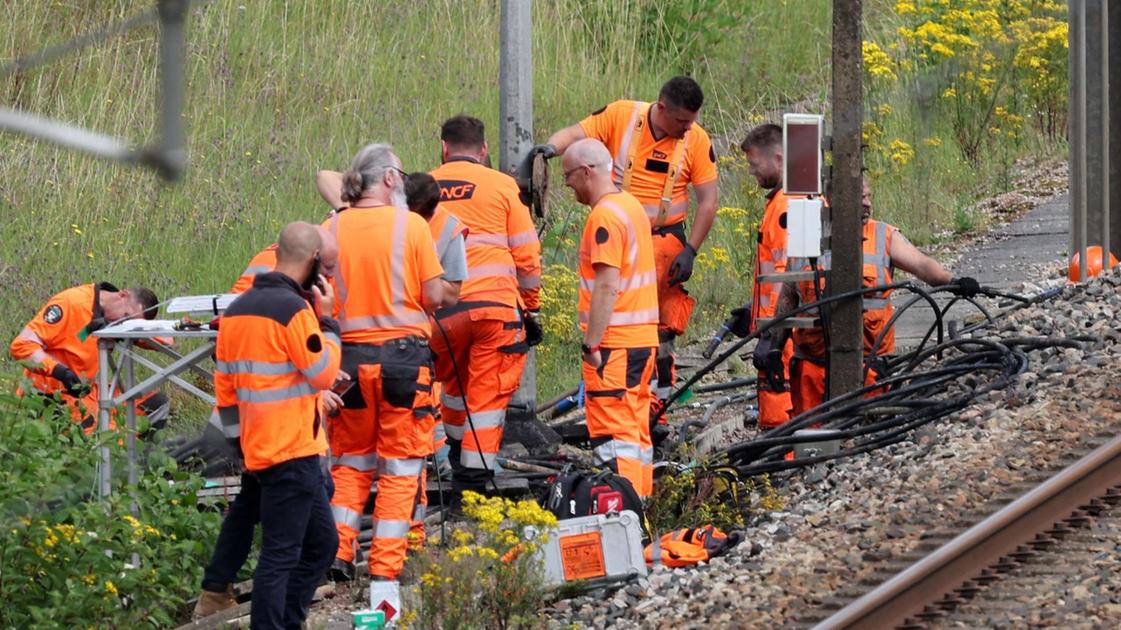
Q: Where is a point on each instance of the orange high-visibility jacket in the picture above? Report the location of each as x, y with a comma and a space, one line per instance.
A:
386, 254
770, 255
616, 234
644, 166
877, 270
272, 358
444, 227
263, 262
61, 332
503, 253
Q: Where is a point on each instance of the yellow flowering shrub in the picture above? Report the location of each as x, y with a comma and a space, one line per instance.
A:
485, 575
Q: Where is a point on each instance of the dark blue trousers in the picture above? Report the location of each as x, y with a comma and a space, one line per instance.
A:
235, 538
298, 542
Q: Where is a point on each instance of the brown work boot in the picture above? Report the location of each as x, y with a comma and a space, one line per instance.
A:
210, 602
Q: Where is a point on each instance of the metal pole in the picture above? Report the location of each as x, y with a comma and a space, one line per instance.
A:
130, 415
1077, 45
515, 77
104, 403
1105, 131
846, 351
171, 157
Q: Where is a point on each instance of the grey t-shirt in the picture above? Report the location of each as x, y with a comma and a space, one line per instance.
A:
454, 260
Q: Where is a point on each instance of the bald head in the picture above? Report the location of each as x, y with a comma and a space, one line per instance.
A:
298, 243
589, 152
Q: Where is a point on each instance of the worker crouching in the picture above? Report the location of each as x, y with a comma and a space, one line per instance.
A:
618, 305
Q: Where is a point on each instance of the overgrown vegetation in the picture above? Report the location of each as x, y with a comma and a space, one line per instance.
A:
69, 560
487, 576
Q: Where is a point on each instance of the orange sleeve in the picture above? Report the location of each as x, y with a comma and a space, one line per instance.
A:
604, 123
314, 353
606, 239
702, 160
420, 241
521, 235
46, 330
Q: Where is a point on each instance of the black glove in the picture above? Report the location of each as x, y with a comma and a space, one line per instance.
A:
682, 267
967, 287
767, 359
525, 168
740, 321
534, 332
70, 381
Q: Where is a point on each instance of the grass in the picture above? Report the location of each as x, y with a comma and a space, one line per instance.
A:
277, 90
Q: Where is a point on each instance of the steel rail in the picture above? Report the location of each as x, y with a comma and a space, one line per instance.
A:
924, 583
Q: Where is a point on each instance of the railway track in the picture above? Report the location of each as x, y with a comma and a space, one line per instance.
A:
947, 581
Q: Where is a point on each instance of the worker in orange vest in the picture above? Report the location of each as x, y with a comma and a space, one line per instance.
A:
388, 280
59, 352
763, 149
481, 343
274, 353
235, 539
659, 151
885, 249
618, 308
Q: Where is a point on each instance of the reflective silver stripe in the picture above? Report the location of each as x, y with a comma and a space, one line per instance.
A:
778, 253
491, 240
330, 336
275, 395
522, 238
470, 458
455, 431
613, 449
228, 420
448, 234
663, 393
419, 512
875, 303
529, 282
632, 253
261, 368
364, 463
766, 267
487, 419
382, 321
621, 154
346, 516
497, 270
39, 356
438, 432
636, 281
315, 369
627, 318
30, 335
453, 402
253, 270
390, 529
397, 260
681, 207
765, 298
400, 467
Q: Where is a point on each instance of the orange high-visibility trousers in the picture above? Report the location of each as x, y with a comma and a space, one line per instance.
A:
386, 428
617, 400
807, 384
675, 305
480, 365
774, 407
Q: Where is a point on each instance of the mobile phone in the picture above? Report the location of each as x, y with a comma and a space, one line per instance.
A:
342, 387
313, 275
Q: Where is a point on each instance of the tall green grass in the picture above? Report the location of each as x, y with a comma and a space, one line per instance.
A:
278, 89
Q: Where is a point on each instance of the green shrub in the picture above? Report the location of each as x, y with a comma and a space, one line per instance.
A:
70, 560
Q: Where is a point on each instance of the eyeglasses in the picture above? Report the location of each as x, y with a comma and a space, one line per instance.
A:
569, 172
400, 172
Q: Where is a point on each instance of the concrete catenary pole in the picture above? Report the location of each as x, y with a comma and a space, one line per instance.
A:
846, 347
515, 76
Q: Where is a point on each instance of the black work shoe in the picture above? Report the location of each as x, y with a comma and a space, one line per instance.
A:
342, 571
